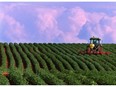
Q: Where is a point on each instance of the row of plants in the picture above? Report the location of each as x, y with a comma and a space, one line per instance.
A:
88, 63
71, 57
49, 62
80, 63
9, 56
72, 78
44, 57
60, 58
55, 53
103, 64
95, 63
54, 77
16, 56
102, 77
73, 64
49, 78
68, 61
40, 60
43, 62
87, 78
25, 59
27, 77
4, 80
34, 62
58, 64
3, 57
110, 60
32, 78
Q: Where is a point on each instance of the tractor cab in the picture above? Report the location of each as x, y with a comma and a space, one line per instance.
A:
95, 41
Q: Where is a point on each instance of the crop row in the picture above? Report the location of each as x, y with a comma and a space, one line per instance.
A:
52, 56
41, 63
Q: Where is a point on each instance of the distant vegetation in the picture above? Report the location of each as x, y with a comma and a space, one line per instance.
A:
57, 64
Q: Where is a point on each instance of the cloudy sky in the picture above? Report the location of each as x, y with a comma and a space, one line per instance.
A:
57, 22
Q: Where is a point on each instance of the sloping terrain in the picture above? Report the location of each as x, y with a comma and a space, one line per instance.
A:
58, 64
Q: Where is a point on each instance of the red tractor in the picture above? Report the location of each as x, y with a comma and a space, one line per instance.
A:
95, 47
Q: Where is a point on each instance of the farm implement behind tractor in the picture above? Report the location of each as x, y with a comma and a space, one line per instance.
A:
94, 47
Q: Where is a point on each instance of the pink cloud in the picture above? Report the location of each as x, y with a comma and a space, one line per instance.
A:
47, 22
94, 20
15, 31
1, 16
48, 25
70, 38
9, 7
100, 30
111, 28
95, 17
77, 19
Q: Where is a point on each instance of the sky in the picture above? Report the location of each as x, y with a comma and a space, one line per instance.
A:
57, 22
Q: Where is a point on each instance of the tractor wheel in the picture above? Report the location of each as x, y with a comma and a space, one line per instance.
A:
88, 50
100, 49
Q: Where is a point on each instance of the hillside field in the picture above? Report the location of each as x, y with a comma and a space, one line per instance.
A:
55, 64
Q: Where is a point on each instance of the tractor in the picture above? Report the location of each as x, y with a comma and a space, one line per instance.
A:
94, 47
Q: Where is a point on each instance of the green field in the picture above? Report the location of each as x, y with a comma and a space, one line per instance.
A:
55, 64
